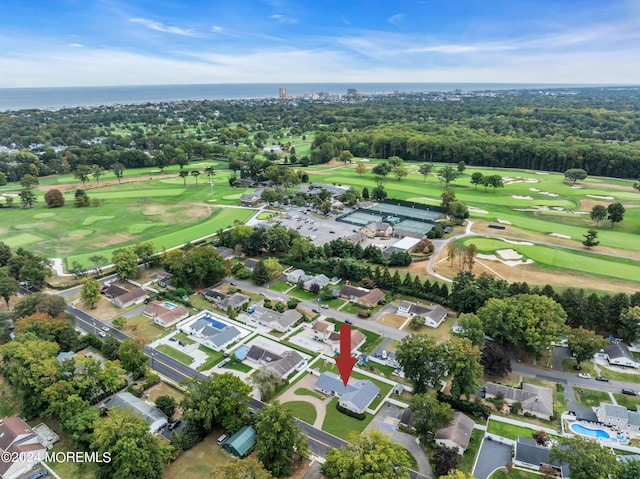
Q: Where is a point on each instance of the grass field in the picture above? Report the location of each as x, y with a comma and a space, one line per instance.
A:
591, 398
302, 410
514, 474
214, 358
308, 392
175, 354
469, 457
510, 431
340, 424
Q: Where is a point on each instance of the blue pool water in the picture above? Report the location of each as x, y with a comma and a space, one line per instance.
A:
216, 324
169, 305
585, 431
241, 353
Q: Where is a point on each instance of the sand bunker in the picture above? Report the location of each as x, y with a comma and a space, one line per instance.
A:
534, 189
473, 209
576, 186
517, 197
558, 235
503, 222
509, 181
508, 262
508, 254
601, 197
548, 194
524, 243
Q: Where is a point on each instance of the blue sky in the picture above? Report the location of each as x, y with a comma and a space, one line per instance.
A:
111, 42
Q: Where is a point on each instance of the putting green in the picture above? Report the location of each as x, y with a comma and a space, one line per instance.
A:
28, 226
137, 228
232, 197
80, 232
94, 219
44, 215
20, 239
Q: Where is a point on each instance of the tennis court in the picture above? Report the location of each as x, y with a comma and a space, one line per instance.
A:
412, 227
388, 209
361, 218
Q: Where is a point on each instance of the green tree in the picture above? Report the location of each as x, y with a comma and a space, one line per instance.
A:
195, 174
444, 460
575, 174
378, 193
369, 455
529, 321
590, 239
97, 171
90, 292
278, 438
417, 322
630, 323
119, 322
167, 404
598, 213
399, 172
29, 181
425, 170
247, 468
135, 453
586, 459
463, 361
382, 169
118, 170
198, 267
265, 381
50, 304
584, 343
144, 251
615, 213
423, 361
476, 179
183, 174
447, 174
132, 357
429, 415
221, 399
8, 287
125, 263
28, 198
471, 327
5, 254
260, 274
54, 198
461, 167
629, 469
345, 156
82, 173
3, 179
361, 169
457, 474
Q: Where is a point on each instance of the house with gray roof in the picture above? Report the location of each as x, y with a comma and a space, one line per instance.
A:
319, 279
113, 291
297, 276
377, 229
530, 455
434, 314
355, 396
212, 333
536, 400
283, 364
154, 417
211, 294
20, 447
618, 354
271, 318
236, 300
457, 434
130, 298
618, 416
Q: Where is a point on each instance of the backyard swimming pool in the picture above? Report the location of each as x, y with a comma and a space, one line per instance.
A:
169, 305
215, 323
597, 433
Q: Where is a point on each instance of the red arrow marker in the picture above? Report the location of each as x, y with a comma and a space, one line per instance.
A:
345, 362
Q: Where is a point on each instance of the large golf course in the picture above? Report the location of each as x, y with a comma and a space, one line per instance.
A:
545, 218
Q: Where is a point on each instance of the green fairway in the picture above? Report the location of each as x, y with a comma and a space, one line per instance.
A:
15, 240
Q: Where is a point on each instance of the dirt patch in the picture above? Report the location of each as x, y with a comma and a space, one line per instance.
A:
391, 320
104, 310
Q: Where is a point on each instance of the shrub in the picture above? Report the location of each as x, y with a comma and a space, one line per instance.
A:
348, 412
477, 409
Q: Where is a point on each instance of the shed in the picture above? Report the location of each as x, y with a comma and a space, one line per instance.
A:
241, 442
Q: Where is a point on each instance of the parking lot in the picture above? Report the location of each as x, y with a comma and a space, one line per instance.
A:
320, 231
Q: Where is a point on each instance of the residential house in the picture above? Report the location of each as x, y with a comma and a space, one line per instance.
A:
456, 435
211, 331
19, 441
235, 301
362, 296
618, 354
214, 295
273, 319
618, 416
226, 253
164, 280
130, 298
355, 397
164, 315
113, 291
283, 364
377, 229
319, 279
536, 400
530, 455
250, 200
241, 443
297, 276
322, 330
407, 418
325, 332
154, 417
251, 263
434, 315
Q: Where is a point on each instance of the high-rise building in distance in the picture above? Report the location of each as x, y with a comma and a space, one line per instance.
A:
282, 92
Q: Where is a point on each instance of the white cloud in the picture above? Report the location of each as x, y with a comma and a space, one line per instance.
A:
396, 19
160, 27
76, 45
460, 48
283, 19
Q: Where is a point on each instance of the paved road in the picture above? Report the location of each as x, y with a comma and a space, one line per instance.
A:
492, 455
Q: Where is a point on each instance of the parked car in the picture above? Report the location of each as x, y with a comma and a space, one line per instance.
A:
316, 310
102, 334
348, 321
324, 306
174, 424
629, 392
173, 338
222, 439
602, 378
384, 354
105, 328
584, 375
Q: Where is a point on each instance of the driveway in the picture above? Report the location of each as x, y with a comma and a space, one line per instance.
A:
386, 422
320, 405
492, 455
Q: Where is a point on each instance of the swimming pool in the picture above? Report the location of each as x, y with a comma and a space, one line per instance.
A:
169, 305
215, 323
241, 353
597, 433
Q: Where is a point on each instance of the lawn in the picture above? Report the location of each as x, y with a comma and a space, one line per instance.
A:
237, 366
514, 474
300, 293
509, 431
280, 287
175, 354
340, 424
184, 337
214, 358
302, 410
200, 461
630, 402
469, 457
335, 302
308, 392
590, 397
143, 327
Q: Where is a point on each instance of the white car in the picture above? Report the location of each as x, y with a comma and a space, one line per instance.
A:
584, 375
102, 334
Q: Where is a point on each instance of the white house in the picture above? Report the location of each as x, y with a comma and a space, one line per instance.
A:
19, 441
320, 279
273, 319
618, 354
434, 315
536, 400
165, 315
211, 330
618, 416
154, 417
130, 298
355, 397
283, 364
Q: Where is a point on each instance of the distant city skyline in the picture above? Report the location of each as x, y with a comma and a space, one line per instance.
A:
138, 42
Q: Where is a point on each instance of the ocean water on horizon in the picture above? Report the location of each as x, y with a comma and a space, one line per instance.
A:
60, 97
